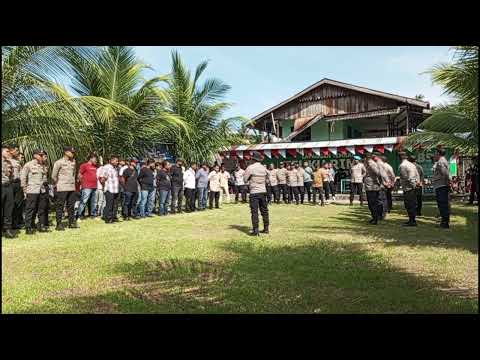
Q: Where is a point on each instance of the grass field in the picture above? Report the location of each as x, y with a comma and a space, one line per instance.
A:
315, 260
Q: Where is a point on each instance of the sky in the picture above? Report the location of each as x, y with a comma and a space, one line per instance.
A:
262, 76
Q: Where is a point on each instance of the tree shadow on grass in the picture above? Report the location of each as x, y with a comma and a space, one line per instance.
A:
324, 277
354, 221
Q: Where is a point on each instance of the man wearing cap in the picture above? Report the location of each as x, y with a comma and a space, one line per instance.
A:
373, 184
7, 194
224, 177
409, 179
34, 181
391, 176
384, 185
300, 184
256, 176
63, 176
419, 188
18, 196
292, 183
308, 180
357, 173
282, 182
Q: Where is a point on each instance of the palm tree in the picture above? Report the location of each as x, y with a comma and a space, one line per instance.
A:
200, 106
133, 120
453, 125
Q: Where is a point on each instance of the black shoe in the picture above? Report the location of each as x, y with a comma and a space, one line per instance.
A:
419, 214
73, 225
29, 231
115, 220
254, 233
410, 223
9, 234
128, 218
373, 222
60, 227
108, 221
444, 225
43, 228
265, 231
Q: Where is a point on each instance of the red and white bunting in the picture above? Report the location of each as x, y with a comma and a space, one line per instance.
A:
247, 154
268, 153
276, 153
389, 147
300, 151
324, 151
308, 152
240, 154
380, 148
316, 151
283, 152
360, 149
333, 150
292, 152
342, 150
351, 149
369, 148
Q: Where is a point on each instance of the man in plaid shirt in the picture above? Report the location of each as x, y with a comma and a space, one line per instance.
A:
111, 186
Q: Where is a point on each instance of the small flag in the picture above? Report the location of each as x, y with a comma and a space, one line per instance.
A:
308, 152
283, 153
369, 148
333, 150
247, 155
342, 150
325, 151
268, 153
360, 149
389, 147
292, 152
316, 151
300, 151
233, 153
379, 148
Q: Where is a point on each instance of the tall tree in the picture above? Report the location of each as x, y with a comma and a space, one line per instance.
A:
200, 106
453, 125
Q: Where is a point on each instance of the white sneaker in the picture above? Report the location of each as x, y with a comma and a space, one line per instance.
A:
333, 198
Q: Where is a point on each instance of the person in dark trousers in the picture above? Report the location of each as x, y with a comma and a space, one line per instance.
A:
273, 185
87, 176
64, 179
292, 183
389, 188
387, 182
164, 187
146, 178
214, 186
419, 188
18, 196
308, 180
177, 187
7, 194
326, 183
357, 173
34, 181
373, 182
300, 182
256, 176
409, 180
282, 182
239, 184
472, 175
189, 183
440, 182
318, 179
111, 184
201, 176
129, 183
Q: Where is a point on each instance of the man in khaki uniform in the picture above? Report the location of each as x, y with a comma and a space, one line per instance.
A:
34, 182
214, 186
292, 183
272, 188
300, 183
357, 173
256, 176
63, 176
409, 179
282, 182
7, 194
224, 177
18, 196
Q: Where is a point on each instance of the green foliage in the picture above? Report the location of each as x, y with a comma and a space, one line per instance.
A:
455, 125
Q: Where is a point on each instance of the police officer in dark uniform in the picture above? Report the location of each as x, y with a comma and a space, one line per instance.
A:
34, 181
256, 176
7, 194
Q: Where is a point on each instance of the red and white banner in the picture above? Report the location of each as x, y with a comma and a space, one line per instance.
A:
268, 153
300, 151
369, 148
283, 152
379, 148
247, 155
292, 152
308, 152
324, 151
316, 151
276, 153
389, 147
333, 150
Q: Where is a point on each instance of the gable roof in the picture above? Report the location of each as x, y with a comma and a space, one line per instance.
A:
423, 104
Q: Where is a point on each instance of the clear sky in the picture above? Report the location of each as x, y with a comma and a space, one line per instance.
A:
263, 76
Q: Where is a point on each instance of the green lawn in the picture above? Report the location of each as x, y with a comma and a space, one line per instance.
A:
315, 260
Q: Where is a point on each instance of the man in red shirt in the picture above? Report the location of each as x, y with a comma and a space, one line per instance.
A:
87, 176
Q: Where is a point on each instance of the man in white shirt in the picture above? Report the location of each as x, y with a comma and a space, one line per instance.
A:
100, 196
224, 176
189, 185
240, 187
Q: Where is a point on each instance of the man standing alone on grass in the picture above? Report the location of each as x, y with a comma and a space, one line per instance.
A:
87, 176
177, 187
110, 181
440, 182
201, 177
129, 183
189, 184
256, 176
419, 188
357, 173
7, 194
34, 181
282, 182
63, 176
409, 179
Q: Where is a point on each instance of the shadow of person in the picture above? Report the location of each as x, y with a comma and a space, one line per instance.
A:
242, 228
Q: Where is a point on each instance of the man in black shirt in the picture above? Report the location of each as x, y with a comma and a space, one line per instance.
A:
129, 184
146, 178
176, 173
164, 187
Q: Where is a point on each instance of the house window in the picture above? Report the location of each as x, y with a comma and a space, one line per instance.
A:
349, 132
291, 129
305, 135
